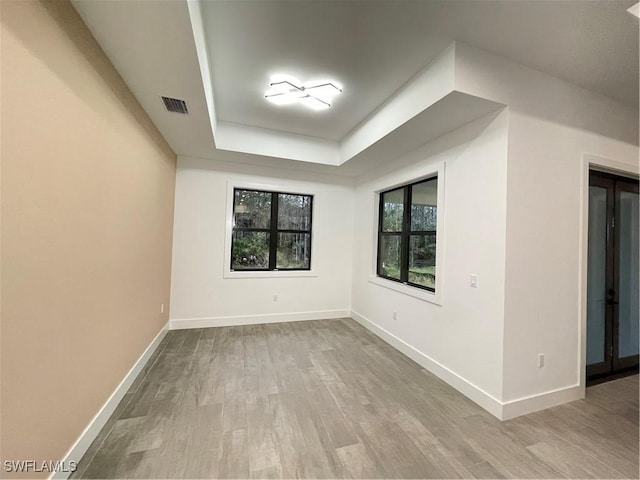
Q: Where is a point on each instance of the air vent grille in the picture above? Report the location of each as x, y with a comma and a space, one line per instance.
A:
175, 105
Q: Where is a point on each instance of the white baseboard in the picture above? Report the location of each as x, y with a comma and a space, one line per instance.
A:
79, 448
182, 323
501, 410
482, 398
540, 401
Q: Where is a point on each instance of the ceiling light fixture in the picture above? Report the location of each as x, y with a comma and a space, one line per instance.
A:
289, 91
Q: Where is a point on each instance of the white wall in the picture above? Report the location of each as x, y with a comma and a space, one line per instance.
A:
461, 339
544, 257
201, 296
553, 125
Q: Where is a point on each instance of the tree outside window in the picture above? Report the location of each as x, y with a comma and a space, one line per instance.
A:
271, 230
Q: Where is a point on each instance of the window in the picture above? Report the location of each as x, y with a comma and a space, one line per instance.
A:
271, 231
407, 234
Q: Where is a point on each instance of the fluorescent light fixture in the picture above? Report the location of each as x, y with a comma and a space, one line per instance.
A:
324, 90
635, 10
284, 86
286, 90
314, 103
278, 98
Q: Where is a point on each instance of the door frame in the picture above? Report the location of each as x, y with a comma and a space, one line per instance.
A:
606, 165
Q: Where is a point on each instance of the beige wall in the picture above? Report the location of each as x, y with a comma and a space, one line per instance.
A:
87, 213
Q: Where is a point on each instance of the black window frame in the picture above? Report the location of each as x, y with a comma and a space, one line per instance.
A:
273, 231
405, 234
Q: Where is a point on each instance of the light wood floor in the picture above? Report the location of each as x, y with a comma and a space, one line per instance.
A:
328, 399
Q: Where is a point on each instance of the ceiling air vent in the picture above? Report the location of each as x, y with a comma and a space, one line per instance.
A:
175, 105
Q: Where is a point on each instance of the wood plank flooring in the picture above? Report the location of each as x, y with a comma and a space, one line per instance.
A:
328, 399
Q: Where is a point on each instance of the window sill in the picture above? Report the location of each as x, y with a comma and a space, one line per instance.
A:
270, 274
420, 294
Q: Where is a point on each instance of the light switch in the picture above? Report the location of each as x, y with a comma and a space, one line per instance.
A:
473, 281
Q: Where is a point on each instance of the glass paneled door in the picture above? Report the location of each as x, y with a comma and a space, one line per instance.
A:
612, 285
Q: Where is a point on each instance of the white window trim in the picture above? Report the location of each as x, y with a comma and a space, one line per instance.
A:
227, 272
438, 170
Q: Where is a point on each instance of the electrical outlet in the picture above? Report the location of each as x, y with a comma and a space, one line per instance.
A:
162, 308
395, 315
540, 360
275, 297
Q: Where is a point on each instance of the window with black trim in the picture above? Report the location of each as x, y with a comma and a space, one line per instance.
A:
407, 234
271, 230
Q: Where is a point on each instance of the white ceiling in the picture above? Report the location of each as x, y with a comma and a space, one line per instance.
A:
372, 48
